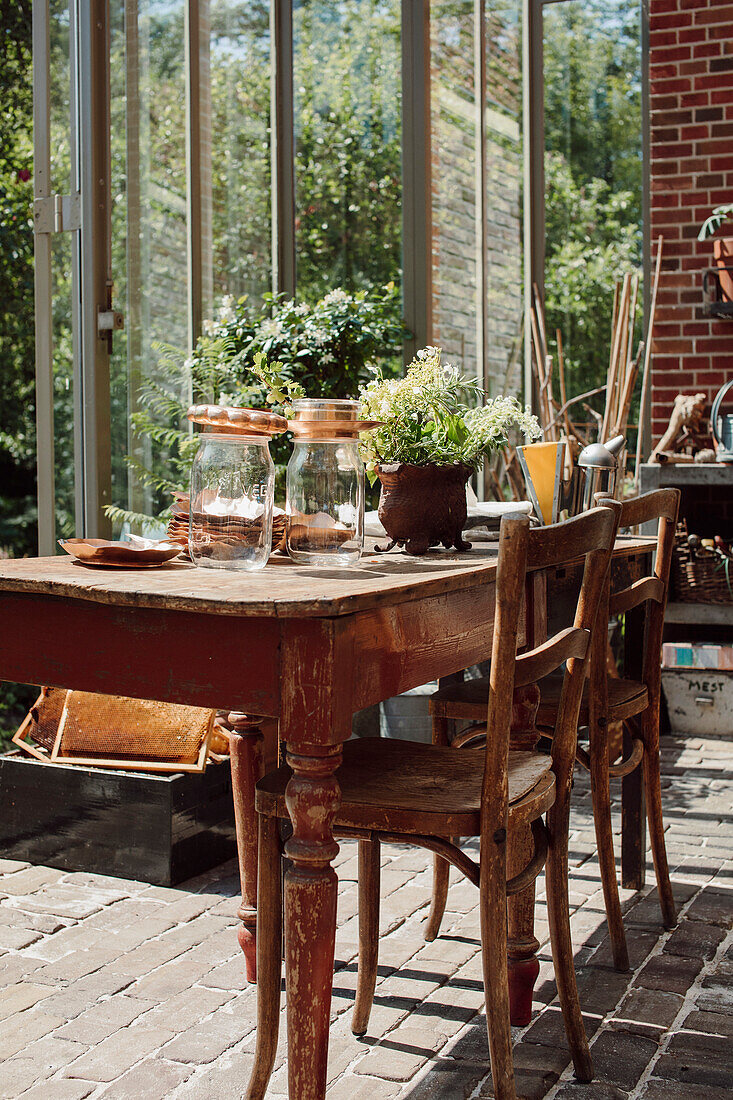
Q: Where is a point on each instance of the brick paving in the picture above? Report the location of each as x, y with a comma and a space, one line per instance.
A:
116, 989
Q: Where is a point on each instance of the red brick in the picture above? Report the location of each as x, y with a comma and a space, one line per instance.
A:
659, 39
709, 181
663, 72
719, 13
672, 150
706, 49
692, 34
699, 130
707, 148
721, 129
715, 80
660, 6
676, 19
675, 118
670, 133
696, 99
693, 68
665, 103
662, 87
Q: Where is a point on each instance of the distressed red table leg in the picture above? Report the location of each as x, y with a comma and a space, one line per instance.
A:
522, 943
312, 797
246, 745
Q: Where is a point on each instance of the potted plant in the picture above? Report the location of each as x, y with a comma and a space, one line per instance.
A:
433, 434
722, 247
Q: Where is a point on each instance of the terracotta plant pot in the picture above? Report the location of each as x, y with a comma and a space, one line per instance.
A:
723, 253
423, 506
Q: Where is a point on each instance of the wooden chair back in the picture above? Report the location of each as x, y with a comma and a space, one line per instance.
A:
661, 505
590, 535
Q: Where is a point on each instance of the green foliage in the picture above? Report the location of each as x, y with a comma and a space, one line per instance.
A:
433, 415
347, 62
593, 171
270, 355
17, 376
592, 240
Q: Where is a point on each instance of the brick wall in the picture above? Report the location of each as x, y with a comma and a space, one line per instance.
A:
691, 73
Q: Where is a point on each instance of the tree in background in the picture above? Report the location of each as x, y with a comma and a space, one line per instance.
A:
17, 370
593, 167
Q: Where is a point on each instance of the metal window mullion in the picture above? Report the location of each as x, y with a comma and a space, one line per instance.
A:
91, 176
534, 170
282, 147
42, 283
417, 235
481, 202
198, 159
645, 414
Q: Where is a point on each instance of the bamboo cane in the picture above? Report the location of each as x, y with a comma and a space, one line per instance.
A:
615, 357
647, 359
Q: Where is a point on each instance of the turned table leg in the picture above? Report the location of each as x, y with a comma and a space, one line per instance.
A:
522, 942
312, 797
246, 750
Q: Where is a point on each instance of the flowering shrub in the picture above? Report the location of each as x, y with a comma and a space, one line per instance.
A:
431, 415
328, 348
252, 357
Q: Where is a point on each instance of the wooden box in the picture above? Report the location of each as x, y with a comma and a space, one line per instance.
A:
159, 829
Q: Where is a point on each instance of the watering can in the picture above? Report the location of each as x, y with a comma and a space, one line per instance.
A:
599, 465
721, 426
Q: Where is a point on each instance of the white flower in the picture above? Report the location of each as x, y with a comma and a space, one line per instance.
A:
269, 329
334, 296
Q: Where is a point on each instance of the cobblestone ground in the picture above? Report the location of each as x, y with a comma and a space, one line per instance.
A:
116, 989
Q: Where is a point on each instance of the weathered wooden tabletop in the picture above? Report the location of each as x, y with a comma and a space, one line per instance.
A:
281, 590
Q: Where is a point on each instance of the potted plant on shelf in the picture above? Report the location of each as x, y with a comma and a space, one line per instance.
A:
433, 434
722, 247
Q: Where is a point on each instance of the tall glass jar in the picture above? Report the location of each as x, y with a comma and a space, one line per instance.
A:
232, 490
325, 484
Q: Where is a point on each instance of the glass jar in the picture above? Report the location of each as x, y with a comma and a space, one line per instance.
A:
325, 484
232, 500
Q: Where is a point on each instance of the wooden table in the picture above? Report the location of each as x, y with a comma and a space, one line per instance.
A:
309, 646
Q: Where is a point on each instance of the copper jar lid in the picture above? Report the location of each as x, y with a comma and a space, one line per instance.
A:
320, 418
228, 420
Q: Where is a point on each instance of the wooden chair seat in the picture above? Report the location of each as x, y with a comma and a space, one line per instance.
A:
468, 700
404, 786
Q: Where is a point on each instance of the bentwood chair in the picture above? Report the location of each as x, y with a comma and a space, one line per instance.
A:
424, 795
606, 700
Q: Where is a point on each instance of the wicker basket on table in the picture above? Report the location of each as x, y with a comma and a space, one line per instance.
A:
178, 524
700, 574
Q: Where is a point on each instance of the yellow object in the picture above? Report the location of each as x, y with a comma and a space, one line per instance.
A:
542, 466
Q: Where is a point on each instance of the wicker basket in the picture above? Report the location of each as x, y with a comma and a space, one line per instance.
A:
702, 575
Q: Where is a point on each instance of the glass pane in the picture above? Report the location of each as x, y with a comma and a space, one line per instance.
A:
593, 170
503, 120
239, 258
456, 214
479, 329
347, 84
149, 249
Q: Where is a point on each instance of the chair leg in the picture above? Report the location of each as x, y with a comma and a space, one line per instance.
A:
441, 867
269, 956
601, 795
496, 976
369, 868
653, 792
558, 910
